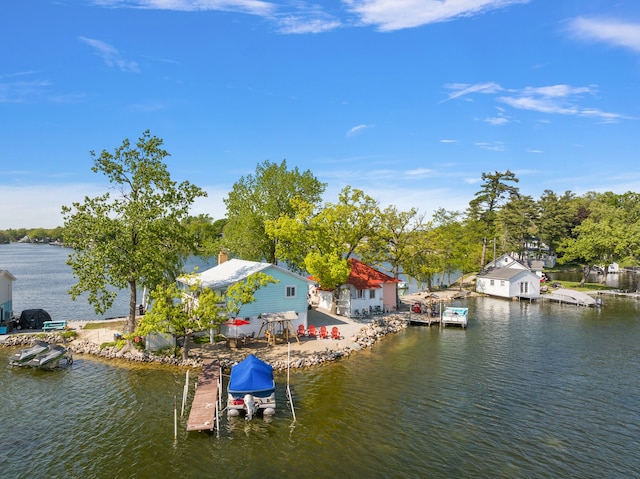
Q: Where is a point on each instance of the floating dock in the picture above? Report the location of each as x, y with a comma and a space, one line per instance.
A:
569, 296
205, 406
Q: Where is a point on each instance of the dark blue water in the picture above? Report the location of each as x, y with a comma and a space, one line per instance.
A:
528, 390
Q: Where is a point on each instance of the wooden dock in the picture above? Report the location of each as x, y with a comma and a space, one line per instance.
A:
424, 319
204, 408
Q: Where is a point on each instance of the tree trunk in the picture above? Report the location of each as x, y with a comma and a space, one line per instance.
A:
484, 253
585, 275
133, 300
185, 348
334, 300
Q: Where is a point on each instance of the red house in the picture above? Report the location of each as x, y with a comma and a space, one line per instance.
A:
367, 292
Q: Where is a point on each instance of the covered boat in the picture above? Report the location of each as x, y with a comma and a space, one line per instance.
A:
251, 388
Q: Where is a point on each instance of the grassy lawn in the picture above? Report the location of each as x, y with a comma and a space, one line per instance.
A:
575, 285
105, 324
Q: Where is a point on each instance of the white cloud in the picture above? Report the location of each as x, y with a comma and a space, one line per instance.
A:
462, 89
613, 32
302, 24
254, 7
110, 55
497, 120
495, 146
391, 15
357, 129
552, 99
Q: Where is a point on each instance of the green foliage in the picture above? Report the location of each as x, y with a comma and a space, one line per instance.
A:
488, 201
265, 196
114, 344
135, 238
320, 242
69, 334
390, 247
206, 232
185, 308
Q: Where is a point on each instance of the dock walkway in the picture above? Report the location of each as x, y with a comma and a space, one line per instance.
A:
204, 407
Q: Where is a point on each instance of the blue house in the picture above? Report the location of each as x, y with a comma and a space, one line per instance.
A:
6, 295
288, 297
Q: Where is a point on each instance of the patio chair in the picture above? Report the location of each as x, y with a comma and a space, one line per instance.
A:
335, 333
312, 331
323, 332
301, 330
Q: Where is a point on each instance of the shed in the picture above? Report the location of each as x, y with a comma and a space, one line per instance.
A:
509, 283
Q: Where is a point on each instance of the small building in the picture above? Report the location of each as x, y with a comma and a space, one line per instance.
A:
6, 295
509, 283
367, 290
289, 295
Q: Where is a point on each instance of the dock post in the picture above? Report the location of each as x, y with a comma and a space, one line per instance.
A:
175, 418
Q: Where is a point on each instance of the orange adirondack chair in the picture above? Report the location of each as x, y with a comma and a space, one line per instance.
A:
312, 331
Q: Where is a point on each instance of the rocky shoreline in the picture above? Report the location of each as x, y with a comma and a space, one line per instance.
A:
306, 353
364, 339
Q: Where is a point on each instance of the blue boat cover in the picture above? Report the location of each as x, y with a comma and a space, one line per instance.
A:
251, 376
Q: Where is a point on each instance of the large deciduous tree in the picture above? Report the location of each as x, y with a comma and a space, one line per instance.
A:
610, 233
134, 238
321, 242
265, 196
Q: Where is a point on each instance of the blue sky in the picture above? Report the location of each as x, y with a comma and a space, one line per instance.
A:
408, 100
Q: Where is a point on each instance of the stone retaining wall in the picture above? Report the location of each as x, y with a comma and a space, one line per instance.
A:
366, 338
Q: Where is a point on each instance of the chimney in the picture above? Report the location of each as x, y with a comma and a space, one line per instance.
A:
222, 257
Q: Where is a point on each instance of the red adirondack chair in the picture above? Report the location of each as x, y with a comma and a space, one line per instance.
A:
335, 333
312, 331
323, 332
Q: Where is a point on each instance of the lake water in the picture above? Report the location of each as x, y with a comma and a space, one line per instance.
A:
44, 278
528, 390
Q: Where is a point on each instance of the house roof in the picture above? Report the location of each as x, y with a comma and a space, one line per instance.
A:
363, 276
4, 272
504, 273
235, 270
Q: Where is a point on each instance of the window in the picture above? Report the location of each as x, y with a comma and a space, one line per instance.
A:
360, 293
502, 284
290, 292
372, 294
491, 283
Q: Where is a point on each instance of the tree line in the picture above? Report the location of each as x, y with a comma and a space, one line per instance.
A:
142, 234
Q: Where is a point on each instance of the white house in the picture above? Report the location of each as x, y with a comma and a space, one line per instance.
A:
6, 295
509, 283
367, 291
289, 295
